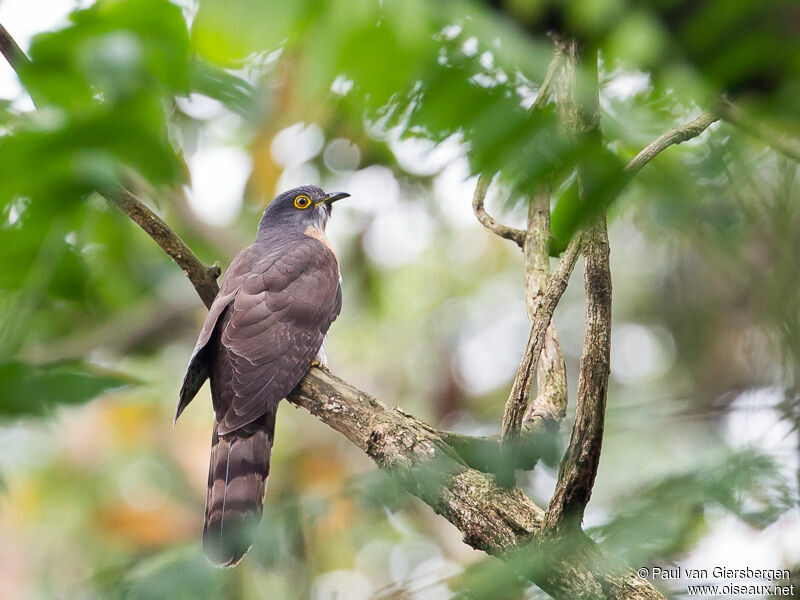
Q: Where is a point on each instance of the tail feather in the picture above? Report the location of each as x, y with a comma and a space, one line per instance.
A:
237, 482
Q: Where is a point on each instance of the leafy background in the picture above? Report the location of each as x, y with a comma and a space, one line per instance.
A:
210, 108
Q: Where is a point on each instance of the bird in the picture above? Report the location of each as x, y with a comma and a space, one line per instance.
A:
265, 329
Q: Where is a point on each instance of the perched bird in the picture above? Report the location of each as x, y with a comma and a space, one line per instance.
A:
263, 332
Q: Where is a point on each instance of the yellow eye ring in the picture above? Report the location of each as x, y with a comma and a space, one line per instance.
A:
302, 202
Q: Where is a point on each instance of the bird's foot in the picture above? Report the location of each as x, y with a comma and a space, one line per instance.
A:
318, 362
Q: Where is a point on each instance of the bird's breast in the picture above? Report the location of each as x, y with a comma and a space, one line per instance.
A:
319, 234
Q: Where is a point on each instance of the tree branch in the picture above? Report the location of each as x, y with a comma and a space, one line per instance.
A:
203, 278
500, 521
675, 136
514, 414
517, 402
579, 467
545, 90
510, 233
551, 372
12, 52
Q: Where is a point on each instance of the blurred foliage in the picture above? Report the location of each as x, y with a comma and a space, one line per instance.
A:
667, 518
398, 103
27, 390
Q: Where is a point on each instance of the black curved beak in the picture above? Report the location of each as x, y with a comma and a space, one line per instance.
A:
335, 196
332, 198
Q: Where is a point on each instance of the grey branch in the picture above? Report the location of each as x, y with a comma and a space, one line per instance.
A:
500, 521
519, 398
545, 90
510, 233
517, 402
203, 278
672, 137
550, 403
579, 467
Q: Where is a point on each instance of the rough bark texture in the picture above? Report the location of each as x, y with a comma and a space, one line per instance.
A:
517, 403
550, 403
491, 518
579, 467
502, 522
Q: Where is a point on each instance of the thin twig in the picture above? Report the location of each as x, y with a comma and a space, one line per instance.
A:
675, 136
517, 402
510, 233
203, 278
545, 90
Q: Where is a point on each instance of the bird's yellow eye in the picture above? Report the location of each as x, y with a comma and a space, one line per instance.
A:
302, 202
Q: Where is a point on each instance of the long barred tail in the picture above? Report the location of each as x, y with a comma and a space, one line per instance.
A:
237, 481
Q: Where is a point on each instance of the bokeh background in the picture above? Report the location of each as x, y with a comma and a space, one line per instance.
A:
211, 108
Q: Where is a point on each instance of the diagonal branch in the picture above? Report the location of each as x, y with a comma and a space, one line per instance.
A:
675, 136
15, 56
550, 403
502, 522
517, 402
203, 278
510, 233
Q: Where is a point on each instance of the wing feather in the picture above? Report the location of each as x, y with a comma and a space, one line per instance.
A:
275, 326
198, 370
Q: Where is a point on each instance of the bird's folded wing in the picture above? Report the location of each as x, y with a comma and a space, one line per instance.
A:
276, 324
197, 371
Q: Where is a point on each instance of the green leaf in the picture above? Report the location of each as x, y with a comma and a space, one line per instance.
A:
227, 32
233, 91
33, 390
116, 48
602, 175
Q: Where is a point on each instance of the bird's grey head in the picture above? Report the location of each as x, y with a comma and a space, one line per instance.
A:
298, 209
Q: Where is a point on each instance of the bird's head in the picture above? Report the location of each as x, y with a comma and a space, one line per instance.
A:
300, 208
